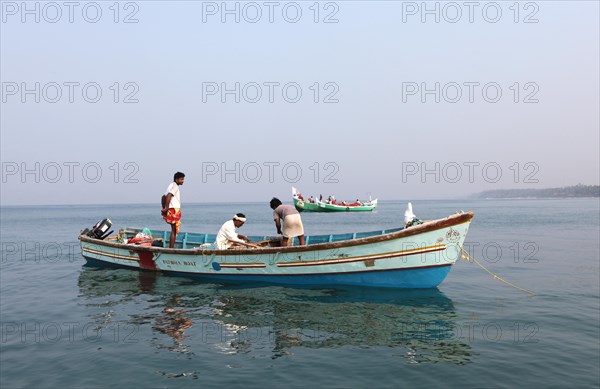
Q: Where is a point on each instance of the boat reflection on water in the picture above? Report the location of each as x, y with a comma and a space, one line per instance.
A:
272, 321
174, 323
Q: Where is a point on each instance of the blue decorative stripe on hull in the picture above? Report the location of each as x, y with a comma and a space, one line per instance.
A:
424, 277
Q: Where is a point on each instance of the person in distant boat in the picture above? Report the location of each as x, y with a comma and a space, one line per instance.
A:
171, 207
300, 196
227, 236
292, 222
311, 200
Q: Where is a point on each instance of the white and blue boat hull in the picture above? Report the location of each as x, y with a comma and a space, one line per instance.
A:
415, 257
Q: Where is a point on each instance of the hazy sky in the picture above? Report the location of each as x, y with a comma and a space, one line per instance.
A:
102, 101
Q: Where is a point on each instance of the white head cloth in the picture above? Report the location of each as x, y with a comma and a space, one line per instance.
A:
242, 219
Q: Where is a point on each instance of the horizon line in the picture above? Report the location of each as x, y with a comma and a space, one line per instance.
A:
258, 202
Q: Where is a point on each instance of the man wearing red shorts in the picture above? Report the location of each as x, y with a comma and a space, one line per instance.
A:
172, 207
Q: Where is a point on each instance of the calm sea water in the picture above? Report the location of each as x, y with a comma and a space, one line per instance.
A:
67, 325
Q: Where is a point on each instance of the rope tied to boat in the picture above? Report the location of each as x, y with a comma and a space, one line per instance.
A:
466, 256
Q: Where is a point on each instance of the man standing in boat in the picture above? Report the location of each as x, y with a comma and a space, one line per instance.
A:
171, 207
292, 223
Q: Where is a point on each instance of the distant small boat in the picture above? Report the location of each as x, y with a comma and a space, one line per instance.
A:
302, 205
414, 257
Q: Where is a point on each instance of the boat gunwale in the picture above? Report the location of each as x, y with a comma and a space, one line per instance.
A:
452, 220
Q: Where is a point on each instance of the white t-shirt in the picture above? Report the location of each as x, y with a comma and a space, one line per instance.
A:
227, 236
175, 199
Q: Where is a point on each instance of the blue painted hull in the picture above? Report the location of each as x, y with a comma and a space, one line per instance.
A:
409, 278
415, 278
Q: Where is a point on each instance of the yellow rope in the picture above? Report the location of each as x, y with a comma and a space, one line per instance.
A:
469, 258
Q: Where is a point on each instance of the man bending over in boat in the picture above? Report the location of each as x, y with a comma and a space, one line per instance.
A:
292, 223
227, 236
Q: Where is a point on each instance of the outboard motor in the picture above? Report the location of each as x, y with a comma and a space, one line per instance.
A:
99, 230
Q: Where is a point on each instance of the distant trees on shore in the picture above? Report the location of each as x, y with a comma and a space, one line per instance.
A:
566, 191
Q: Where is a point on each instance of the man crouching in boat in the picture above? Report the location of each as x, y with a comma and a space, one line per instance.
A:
227, 236
292, 223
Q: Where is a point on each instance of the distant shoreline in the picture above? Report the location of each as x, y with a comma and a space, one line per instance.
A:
565, 192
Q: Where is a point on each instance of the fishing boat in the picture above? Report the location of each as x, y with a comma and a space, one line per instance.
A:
316, 205
419, 256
